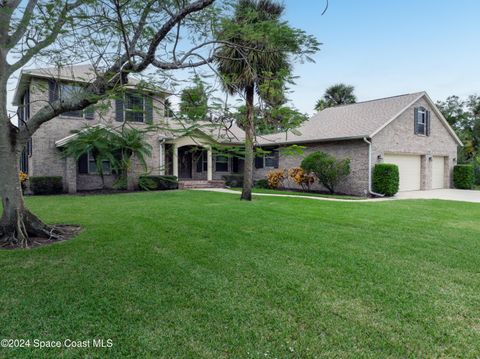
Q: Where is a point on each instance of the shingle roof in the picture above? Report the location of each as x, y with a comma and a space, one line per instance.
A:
78, 73
357, 120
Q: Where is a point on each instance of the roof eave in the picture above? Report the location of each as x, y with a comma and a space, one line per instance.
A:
332, 139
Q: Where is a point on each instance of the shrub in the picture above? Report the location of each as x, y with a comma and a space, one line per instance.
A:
157, 183
120, 183
235, 180
386, 179
261, 183
46, 185
463, 176
275, 178
300, 177
329, 171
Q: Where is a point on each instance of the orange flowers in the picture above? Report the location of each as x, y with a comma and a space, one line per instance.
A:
275, 178
23, 177
300, 177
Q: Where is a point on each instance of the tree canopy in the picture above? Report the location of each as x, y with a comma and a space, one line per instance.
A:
336, 95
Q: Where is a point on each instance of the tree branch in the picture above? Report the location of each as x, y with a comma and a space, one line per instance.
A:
165, 29
23, 25
48, 40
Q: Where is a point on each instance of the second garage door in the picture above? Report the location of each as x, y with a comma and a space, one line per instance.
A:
409, 170
438, 172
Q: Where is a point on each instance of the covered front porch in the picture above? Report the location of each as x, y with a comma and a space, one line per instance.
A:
195, 163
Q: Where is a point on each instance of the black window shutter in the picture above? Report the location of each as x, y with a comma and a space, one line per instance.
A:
83, 164
27, 105
276, 153
52, 90
89, 112
235, 164
148, 109
119, 110
415, 121
259, 162
427, 132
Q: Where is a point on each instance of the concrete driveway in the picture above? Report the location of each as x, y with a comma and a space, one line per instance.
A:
447, 194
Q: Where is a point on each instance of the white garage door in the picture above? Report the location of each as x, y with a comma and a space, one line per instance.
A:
409, 170
438, 172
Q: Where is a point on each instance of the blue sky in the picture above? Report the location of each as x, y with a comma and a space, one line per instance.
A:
386, 47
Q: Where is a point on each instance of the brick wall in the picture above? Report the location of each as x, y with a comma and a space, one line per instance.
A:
356, 150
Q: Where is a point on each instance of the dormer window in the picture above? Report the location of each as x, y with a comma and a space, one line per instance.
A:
422, 121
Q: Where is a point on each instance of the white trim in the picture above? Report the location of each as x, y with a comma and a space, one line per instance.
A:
63, 141
397, 115
442, 118
435, 109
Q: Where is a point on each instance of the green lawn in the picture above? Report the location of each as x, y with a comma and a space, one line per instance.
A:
192, 274
297, 193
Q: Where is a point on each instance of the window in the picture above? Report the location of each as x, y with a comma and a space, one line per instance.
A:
270, 159
24, 109
87, 165
202, 162
29, 147
134, 107
24, 161
69, 91
422, 121
221, 163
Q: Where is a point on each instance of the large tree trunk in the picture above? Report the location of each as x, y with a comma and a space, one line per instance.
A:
17, 224
249, 146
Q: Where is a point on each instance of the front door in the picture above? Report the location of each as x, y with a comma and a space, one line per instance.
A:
184, 163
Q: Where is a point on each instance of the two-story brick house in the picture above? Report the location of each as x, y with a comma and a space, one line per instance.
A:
407, 130
189, 157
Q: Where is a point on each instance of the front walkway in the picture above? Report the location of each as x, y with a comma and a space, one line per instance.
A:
226, 190
445, 194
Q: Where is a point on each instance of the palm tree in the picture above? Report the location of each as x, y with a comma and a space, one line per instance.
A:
250, 53
93, 140
129, 143
109, 145
336, 95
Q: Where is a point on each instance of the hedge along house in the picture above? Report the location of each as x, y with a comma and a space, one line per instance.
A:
177, 149
406, 130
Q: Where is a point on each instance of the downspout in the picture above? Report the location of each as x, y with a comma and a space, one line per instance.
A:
370, 169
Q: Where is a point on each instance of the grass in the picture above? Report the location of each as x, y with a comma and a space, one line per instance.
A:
192, 274
297, 193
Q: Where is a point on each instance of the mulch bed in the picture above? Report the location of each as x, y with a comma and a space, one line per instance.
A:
68, 232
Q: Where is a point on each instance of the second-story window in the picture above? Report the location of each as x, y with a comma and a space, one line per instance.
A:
68, 92
134, 107
422, 121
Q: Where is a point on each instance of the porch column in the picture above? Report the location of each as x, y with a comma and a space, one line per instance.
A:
162, 158
175, 160
71, 175
209, 164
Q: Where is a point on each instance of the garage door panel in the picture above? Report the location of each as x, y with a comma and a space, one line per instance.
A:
409, 168
438, 172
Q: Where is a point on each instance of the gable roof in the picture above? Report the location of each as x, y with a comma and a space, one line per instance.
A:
354, 121
75, 73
